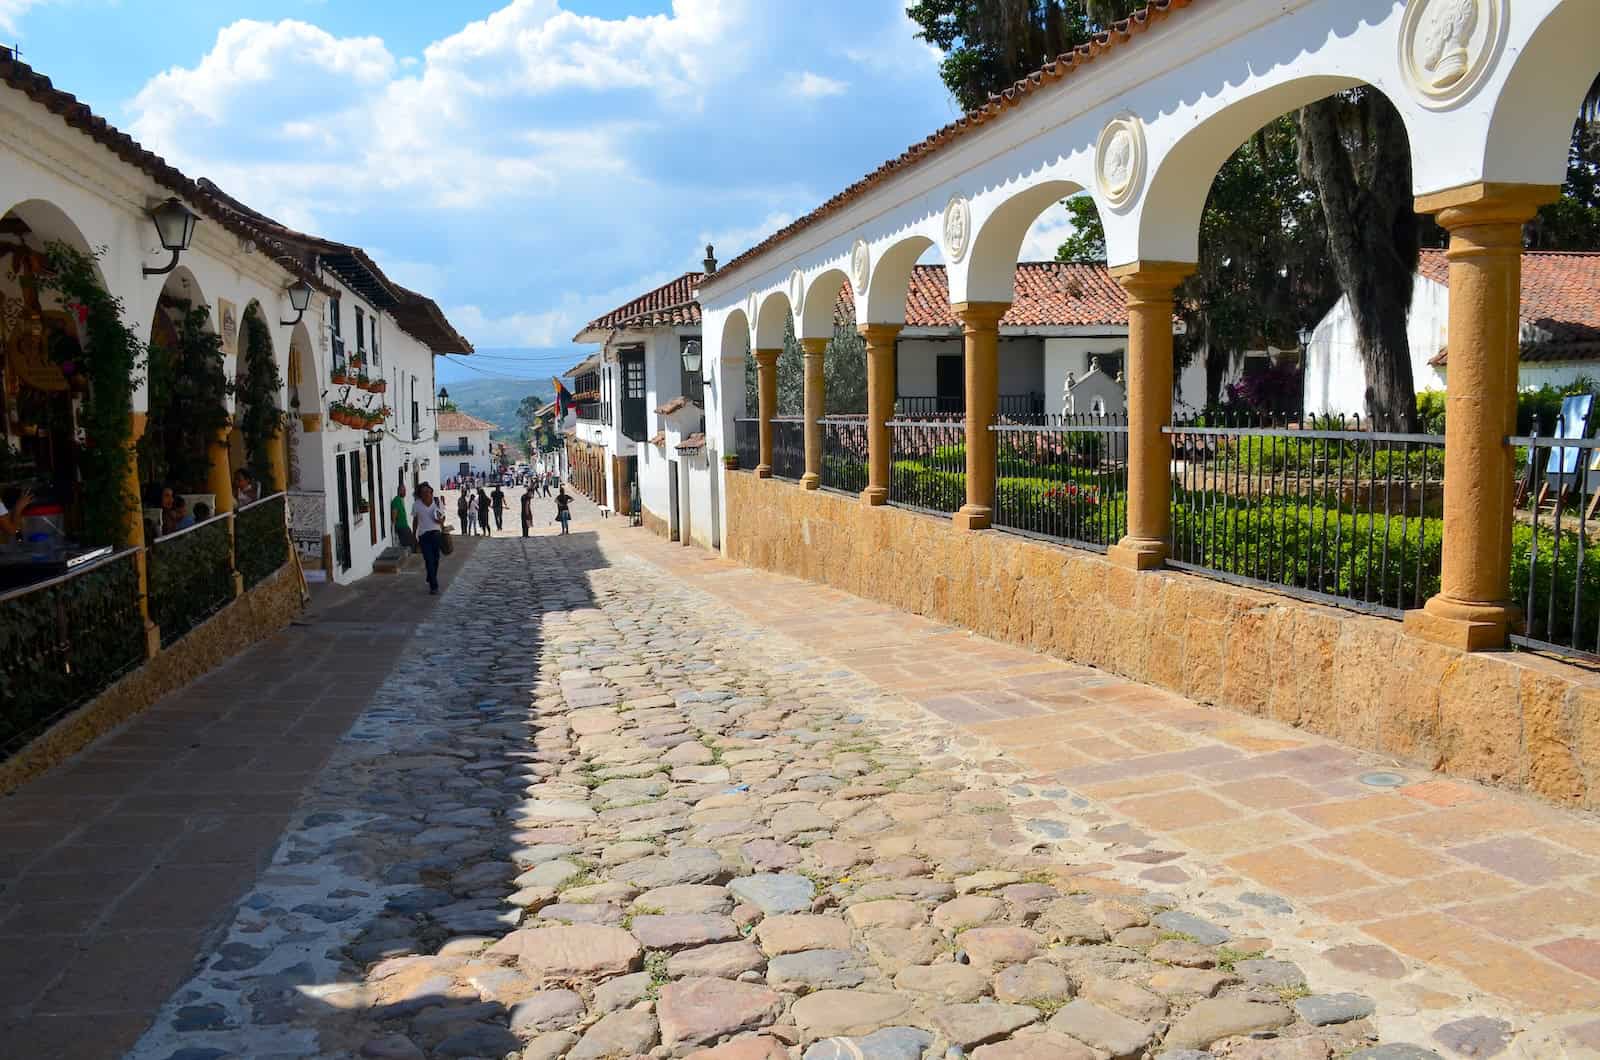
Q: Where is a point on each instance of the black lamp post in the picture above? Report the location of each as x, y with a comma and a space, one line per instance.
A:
299, 300
175, 228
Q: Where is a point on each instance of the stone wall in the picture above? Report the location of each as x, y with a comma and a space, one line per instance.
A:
258, 614
655, 523
1513, 719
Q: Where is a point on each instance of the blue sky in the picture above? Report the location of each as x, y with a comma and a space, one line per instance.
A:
529, 164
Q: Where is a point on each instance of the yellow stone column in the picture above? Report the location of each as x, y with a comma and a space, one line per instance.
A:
1149, 286
219, 473
880, 408
1473, 609
767, 403
816, 401
277, 463
980, 331
132, 535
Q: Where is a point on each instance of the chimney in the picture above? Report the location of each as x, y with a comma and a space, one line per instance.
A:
711, 259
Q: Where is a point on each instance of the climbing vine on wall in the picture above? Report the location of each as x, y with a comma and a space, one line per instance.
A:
110, 355
260, 419
188, 390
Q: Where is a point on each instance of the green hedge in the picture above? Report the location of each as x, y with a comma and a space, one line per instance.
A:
911, 482
62, 645
1081, 510
261, 540
191, 577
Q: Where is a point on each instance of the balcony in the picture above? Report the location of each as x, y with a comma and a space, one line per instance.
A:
599, 412
455, 449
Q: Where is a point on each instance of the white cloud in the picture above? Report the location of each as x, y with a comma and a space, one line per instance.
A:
11, 12
814, 86
554, 326
1046, 234
730, 242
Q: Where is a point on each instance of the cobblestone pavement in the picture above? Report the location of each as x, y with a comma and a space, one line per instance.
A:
598, 810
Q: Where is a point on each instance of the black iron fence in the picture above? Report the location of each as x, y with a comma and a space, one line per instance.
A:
747, 442
844, 453
260, 539
1349, 516
1018, 407
1555, 566
788, 447
64, 641
191, 576
1065, 478
928, 464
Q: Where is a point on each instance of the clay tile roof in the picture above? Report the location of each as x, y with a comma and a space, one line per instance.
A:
1046, 294
19, 75
691, 443
998, 106
677, 404
1560, 302
659, 439
460, 421
672, 304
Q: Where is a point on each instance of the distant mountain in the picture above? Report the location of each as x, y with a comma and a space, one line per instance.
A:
496, 400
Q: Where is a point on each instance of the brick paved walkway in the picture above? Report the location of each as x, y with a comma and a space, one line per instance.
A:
1500, 891
118, 867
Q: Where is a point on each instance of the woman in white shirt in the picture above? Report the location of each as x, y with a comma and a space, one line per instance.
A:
427, 521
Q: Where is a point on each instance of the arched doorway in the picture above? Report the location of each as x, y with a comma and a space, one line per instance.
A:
256, 439
182, 447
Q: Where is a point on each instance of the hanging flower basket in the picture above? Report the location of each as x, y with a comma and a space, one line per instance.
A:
380, 386
340, 377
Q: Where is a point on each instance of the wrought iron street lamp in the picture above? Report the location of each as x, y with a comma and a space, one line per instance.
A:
299, 300
692, 357
175, 228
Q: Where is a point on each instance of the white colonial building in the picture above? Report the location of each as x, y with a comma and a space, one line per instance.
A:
348, 343
464, 446
1558, 328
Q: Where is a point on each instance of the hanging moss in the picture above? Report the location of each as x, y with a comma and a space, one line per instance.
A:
260, 420
110, 354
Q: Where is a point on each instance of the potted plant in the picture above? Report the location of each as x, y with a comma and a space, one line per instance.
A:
731, 461
380, 386
340, 377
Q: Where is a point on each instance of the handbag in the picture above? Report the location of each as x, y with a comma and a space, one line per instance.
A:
446, 545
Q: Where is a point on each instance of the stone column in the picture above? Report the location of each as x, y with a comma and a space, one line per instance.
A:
767, 403
980, 330
132, 535
1150, 287
880, 408
219, 472
1473, 610
816, 401
277, 462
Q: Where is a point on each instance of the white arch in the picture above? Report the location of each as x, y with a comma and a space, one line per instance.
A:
885, 300
1531, 126
992, 262
772, 318
815, 320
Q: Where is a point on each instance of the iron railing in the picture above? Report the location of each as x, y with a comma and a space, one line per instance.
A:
747, 442
928, 465
1345, 516
457, 450
1018, 407
788, 447
1555, 566
64, 641
845, 448
1065, 478
260, 539
191, 576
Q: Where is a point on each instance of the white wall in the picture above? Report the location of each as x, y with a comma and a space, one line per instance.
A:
1022, 364
702, 502
1336, 380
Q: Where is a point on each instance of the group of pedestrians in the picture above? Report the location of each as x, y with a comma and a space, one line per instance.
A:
427, 524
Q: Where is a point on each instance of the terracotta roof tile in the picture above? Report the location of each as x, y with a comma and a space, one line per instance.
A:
1046, 294
670, 305
460, 421
1560, 298
1120, 35
692, 443
677, 404
659, 439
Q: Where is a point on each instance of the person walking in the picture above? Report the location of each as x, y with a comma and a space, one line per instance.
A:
564, 511
465, 509
483, 512
397, 516
527, 509
499, 499
427, 518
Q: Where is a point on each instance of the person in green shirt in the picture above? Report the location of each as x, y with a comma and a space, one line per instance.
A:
397, 516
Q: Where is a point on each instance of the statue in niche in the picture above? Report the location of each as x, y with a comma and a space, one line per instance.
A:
1445, 38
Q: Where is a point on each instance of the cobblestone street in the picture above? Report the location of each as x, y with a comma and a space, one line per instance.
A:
618, 797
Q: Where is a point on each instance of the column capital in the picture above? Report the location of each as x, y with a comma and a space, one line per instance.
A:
1487, 203
1152, 279
814, 347
979, 316
767, 358
879, 334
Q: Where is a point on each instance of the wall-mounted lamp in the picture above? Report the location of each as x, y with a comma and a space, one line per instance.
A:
175, 227
693, 356
299, 300
1306, 335
443, 399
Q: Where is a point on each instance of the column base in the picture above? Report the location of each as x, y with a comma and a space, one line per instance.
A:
152, 639
238, 585
875, 496
973, 517
763, 471
1137, 553
811, 481
1463, 625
